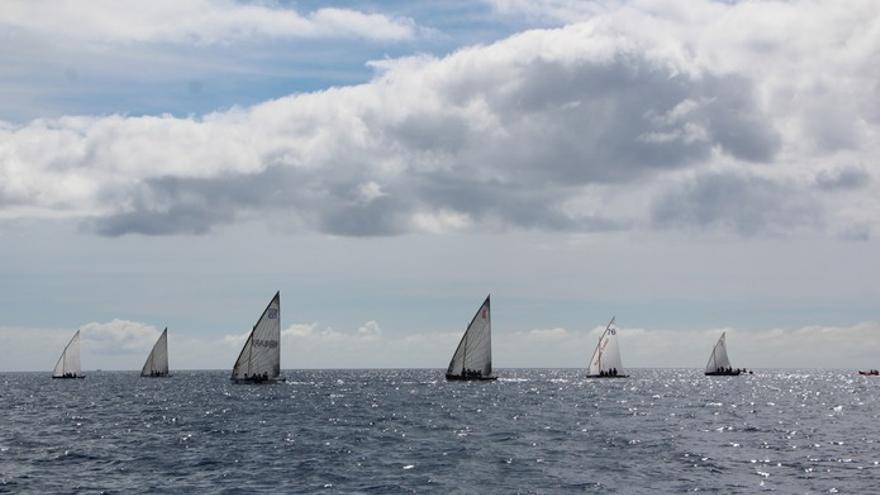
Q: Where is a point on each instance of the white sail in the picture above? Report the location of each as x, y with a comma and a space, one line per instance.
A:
607, 354
68, 363
157, 361
261, 355
718, 360
474, 351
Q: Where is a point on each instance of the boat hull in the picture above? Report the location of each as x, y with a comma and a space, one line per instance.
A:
607, 376
258, 381
868, 373
68, 377
459, 378
723, 373
156, 376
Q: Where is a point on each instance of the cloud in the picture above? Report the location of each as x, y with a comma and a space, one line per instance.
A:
856, 232
299, 330
116, 344
119, 336
746, 204
196, 22
500, 135
635, 115
844, 178
545, 334
121, 344
370, 331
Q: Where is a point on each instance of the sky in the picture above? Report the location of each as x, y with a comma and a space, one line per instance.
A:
691, 168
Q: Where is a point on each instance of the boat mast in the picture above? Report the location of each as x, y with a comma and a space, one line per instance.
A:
464, 351
251, 351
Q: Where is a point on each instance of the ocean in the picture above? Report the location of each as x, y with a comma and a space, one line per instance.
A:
409, 431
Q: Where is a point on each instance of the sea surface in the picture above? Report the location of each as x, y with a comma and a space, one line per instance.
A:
409, 431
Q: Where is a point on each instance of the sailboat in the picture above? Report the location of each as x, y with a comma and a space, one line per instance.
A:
472, 359
68, 364
157, 362
606, 362
260, 358
719, 363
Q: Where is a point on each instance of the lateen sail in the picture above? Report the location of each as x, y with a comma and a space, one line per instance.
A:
157, 361
68, 363
607, 354
261, 355
718, 360
474, 352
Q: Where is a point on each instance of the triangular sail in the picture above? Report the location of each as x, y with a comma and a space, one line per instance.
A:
261, 355
718, 360
157, 361
607, 354
68, 363
474, 351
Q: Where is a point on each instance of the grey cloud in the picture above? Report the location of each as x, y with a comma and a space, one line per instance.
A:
845, 178
177, 219
425, 132
173, 205
514, 204
505, 141
379, 217
592, 121
735, 122
169, 205
746, 204
856, 232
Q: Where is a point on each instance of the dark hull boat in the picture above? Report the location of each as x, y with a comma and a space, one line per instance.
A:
472, 360
259, 380
869, 373
459, 378
724, 373
77, 377
260, 358
606, 362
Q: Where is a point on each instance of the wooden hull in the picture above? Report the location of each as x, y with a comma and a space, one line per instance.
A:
607, 376
459, 378
723, 373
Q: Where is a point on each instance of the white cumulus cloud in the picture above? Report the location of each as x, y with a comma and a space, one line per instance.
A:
641, 114
195, 21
